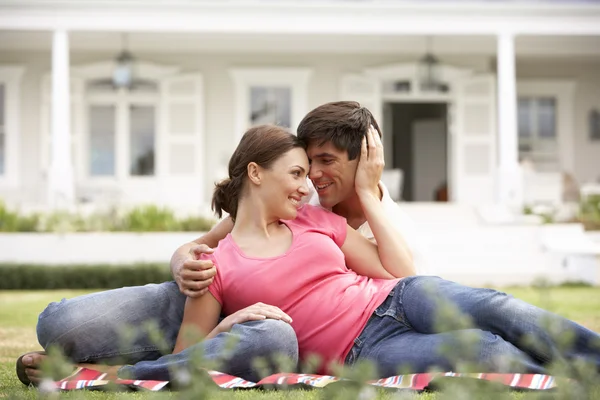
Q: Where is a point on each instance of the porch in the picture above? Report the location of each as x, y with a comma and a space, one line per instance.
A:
206, 61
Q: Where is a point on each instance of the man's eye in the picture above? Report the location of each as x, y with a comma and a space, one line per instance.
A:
327, 161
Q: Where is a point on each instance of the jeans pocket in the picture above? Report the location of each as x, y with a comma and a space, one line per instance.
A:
389, 307
354, 352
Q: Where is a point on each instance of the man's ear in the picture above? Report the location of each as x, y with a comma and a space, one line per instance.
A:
254, 173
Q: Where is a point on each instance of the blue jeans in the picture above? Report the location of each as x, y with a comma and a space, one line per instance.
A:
115, 327
417, 329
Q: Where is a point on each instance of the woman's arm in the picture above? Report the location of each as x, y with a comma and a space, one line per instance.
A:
391, 248
201, 314
362, 256
200, 317
393, 253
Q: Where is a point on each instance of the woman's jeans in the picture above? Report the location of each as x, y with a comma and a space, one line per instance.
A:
427, 322
137, 325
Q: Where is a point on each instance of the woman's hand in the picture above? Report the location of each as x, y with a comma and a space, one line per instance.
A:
255, 312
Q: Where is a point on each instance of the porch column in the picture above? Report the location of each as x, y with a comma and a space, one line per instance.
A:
509, 182
61, 187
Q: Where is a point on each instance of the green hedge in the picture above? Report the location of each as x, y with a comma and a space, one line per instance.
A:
28, 277
589, 212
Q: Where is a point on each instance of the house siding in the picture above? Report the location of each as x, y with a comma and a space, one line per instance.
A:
323, 87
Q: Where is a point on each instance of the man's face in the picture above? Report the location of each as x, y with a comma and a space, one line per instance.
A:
331, 173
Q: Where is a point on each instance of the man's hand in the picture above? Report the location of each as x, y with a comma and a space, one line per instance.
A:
255, 312
193, 276
370, 165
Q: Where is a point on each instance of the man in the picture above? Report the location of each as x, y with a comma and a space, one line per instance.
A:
85, 328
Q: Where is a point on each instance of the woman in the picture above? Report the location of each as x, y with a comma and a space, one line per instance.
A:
342, 294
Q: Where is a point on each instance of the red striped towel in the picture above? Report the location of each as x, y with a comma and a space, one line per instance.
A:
84, 378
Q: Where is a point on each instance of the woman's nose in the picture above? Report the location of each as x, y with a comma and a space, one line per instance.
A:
303, 189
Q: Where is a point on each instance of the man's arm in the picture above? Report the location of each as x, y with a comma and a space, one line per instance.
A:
193, 276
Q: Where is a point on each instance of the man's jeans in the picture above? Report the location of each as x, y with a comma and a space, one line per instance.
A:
428, 322
120, 326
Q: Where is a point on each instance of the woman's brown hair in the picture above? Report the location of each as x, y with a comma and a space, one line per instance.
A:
262, 144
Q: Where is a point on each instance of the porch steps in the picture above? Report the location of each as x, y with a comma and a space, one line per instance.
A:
461, 246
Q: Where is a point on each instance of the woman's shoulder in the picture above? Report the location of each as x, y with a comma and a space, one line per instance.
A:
308, 211
224, 248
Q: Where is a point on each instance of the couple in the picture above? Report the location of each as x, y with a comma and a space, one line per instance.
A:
330, 291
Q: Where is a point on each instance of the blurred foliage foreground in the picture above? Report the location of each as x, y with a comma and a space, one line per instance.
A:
148, 218
577, 379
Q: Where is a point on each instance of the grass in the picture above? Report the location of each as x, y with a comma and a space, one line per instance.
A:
19, 310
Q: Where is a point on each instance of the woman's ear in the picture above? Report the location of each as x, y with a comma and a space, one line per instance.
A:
254, 173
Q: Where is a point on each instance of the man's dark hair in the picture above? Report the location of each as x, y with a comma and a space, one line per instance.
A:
343, 123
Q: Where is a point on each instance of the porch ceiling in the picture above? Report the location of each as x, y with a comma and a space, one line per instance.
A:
161, 42
351, 17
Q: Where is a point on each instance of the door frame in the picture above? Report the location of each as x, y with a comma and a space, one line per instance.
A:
409, 72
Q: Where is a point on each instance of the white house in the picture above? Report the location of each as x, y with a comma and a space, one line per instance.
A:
513, 80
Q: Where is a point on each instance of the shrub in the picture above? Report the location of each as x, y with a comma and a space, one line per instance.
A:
589, 212
60, 221
147, 218
44, 277
11, 221
197, 224
150, 218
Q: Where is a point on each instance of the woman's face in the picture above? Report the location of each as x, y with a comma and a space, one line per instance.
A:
284, 184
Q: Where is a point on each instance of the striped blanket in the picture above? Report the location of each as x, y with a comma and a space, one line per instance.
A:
84, 378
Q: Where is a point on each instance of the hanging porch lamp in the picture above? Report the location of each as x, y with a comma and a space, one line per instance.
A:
429, 71
123, 72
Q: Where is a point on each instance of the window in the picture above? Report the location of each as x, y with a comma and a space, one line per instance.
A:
122, 131
269, 96
141, 140
270, 105
102, 140
537, 125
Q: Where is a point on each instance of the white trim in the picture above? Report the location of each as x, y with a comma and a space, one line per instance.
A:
564, 92
61, 184
470, 187
10, 77
410, 72
417, 98
327, 17
244, 78
143, 70
507, 188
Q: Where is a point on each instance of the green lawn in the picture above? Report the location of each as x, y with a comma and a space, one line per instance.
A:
19, 310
